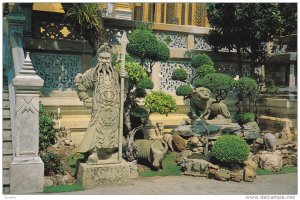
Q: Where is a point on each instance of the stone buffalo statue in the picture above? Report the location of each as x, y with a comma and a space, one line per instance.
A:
152, 150
202, 103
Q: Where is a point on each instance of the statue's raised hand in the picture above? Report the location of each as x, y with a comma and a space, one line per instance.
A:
123, 73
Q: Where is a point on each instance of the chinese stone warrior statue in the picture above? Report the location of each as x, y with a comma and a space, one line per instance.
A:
101, 141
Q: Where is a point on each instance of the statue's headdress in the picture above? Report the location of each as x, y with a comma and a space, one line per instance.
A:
104, 48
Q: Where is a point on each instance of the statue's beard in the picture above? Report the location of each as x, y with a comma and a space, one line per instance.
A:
105, 68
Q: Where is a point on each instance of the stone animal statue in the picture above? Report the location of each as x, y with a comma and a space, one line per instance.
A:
168, 139
152, 150
202, 103
270, 141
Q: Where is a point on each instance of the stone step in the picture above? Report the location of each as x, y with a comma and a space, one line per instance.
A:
5, 105
7, 136
6, 125
5, 177
5, 95
6, 160
7, 152
6, 189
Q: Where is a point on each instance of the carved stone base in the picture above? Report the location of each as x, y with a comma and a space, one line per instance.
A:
26, 175
92, 176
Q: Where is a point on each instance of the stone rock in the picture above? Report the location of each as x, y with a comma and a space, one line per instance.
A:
251, 131
237, 175
60, 180
253, 126
271, 161
222, 175
251, 163
179, 143
48, 181
68, 178
212, 169
195, 167
196, 129
249, 174
183, 155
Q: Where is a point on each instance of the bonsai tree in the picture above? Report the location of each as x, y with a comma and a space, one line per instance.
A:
201, 65
144, 44
138, 82
217, 83
247, 90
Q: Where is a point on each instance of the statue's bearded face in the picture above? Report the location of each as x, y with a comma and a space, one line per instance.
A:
104, 59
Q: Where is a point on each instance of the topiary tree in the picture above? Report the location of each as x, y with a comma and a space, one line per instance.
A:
201, 59
230, 150
247, 89
144, 44
217, 83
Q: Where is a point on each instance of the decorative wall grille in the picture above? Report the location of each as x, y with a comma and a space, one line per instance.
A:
174, 40
57, 30
200, 14
57, 70
166, 70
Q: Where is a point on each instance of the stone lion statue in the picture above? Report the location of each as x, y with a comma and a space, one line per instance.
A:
204, 106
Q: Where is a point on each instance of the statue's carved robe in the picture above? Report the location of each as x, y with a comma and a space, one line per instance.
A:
103, 129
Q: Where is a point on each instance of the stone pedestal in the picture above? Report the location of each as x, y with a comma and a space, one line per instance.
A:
92, 176
26, 168
27, 175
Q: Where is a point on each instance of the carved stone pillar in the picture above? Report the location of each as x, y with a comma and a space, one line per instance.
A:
27, 168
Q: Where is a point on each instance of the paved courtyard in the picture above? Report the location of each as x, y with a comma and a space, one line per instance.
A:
284, 184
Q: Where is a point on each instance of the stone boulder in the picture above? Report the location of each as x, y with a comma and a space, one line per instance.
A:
222, 175
271, 161
179, 143
236, 175
183, 155
195, 167
249, 174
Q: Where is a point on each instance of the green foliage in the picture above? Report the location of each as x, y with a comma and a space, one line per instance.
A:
139, 113
201, 59
271, 88
205, 70
170, 168
140, 93
135, 71
86, 14
216, 82
63, 188
246, 85
46, 128
245, 117
145, 45
184, 90
283, 170
53, 163
179, 74
145, 83
160, 102
230, 149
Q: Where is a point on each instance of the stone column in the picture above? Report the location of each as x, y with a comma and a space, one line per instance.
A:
27, 168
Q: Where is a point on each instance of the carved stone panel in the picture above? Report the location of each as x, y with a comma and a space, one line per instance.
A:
27, 134
174, 40
57, 70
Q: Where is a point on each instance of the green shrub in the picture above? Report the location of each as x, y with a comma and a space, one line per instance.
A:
201, 59
46, 128
246, 85
52, 163
230, 149
145, 83
245, 117
139, 113
135, 71
184, 90
160, 102
140, 93
205, 70
179, 74
215, 82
